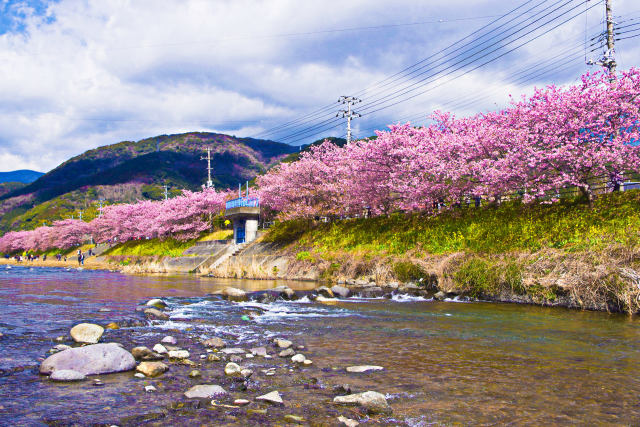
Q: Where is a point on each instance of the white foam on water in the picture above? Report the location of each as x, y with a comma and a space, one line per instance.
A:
457, 299
408, 298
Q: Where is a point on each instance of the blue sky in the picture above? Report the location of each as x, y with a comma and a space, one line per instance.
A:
80, 74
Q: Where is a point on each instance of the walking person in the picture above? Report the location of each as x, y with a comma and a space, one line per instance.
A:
79, 257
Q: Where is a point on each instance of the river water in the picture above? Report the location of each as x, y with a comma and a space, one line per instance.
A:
445, 362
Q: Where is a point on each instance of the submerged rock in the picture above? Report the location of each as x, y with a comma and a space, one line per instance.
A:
293, 419
64, 375
273, 398
91, 360
112, 325
152, 369
205, 391
241, 402
259, 351
149, 388
439, 296
364, 368
154, 312
214, 342
86, 333
232, 351
213, 358
144, 353
372, 401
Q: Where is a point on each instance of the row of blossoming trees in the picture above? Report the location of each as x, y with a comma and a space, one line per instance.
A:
183, 217
555, 139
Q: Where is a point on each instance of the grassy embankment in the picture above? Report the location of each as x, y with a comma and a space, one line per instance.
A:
569, 251
160, 248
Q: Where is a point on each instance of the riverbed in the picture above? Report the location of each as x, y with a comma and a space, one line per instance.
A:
444, 362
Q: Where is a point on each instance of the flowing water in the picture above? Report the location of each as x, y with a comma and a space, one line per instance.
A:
445, 362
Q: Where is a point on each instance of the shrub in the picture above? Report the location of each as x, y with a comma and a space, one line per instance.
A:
406, 271
478, 277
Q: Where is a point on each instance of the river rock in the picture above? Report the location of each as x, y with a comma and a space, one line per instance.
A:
298, 358
154, 312
233, 370
205, 391
150, 388
372, 401
285, 292
169, 340
232, 351
157, 303
234, 294
439, 296
112, 325
90, 360
195, 374
61, 347
213, 358
144, 353
347, 421
86, 333
214, 342
160, 349
241, 402
325, 292
341, 291
273, 398
286, 353
259, 351
235, 358
64, 375
179, 354
293, 419
152, 369
282, 343
372, 292
364, 368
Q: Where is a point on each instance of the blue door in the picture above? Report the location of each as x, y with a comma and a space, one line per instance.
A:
240, 232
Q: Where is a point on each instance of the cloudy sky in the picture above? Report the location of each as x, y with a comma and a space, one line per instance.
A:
77, 74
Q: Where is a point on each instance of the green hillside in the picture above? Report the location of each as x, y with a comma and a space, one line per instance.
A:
129, 170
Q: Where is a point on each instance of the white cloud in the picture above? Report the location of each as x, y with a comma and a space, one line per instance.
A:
91, 73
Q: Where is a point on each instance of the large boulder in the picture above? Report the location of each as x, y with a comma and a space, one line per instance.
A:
87, 333
66, 375
157, 303
204, 391
90, 360
372, 401
234, 294
340, 291
325, 292
152, 369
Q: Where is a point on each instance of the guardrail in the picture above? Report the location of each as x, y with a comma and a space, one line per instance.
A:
243, 202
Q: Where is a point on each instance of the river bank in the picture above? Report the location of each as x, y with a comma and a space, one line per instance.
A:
442, 362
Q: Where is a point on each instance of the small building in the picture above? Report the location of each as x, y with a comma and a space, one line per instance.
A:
244, 212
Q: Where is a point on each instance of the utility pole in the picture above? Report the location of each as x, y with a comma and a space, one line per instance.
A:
208, 159
166, 191
348, 113
100, 207
609, 60
80, 214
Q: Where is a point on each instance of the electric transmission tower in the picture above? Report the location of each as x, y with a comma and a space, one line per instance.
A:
348, 113
208, 159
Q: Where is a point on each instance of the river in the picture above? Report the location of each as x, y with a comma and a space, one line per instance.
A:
445, 362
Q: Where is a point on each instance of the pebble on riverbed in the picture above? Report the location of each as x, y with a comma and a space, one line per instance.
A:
86, 333
274, 398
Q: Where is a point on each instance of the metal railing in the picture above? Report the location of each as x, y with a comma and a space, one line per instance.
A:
243, 202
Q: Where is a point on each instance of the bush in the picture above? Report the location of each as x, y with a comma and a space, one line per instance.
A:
406, 271
478, 278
